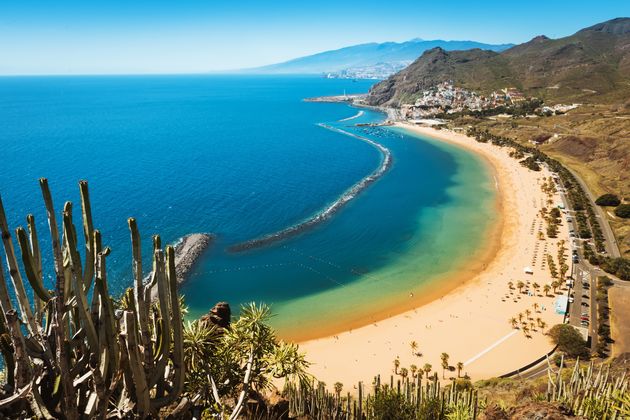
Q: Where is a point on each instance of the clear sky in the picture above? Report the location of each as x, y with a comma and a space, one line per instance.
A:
184, 36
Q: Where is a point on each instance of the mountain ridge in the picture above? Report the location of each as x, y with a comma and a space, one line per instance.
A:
588, 66
367, 54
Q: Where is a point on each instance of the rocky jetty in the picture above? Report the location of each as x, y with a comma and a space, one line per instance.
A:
187, 252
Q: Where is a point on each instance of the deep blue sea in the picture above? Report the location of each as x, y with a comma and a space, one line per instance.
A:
241, 157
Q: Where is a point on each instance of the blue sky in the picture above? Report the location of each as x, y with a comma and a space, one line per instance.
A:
183, 36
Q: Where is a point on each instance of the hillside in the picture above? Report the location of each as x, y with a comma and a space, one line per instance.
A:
371, 54
592, 65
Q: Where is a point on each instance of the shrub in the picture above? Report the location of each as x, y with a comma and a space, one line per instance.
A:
623, 211
608, 200
389, 404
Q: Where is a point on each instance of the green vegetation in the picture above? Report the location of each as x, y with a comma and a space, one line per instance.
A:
595, 394
608, 200
603, 316
78, 353
623, 211
568, 340
75, 352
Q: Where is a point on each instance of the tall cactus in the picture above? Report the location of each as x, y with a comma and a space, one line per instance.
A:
76, 358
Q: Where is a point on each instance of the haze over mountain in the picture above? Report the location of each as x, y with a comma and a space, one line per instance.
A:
366, 55
592, 65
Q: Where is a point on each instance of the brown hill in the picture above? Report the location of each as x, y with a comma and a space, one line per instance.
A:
591, 66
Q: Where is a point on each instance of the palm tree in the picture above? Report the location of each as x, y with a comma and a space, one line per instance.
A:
404, 372
338, 389
396, 365
444, 357
414, 371
513, 321
554, 286
510, 285
543, 324
535, 305
546, 289
520, 317
519, 286
414, 349
460, 366
536, 286
526, 330
427, 369
528, 313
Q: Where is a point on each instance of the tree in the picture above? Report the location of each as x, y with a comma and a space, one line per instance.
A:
414, 347
535, 305
338, 388
396, 365
414, 371
623, 211
444, 357
404, 373
427, 369
511, 285
536, 287
513, 322
608, 200
528, 313
568, 340
520, 317
519, 286
460, 366
546, 289
563, 270
554, 286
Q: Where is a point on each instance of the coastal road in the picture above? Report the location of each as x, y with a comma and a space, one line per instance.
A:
609, 238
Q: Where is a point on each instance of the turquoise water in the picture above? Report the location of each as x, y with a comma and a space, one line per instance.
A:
242, 157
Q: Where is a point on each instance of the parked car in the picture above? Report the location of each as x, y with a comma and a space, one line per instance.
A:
571, 299
584, 323
584, 304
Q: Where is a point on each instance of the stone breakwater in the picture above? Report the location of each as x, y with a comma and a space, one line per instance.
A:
325, 214
187, 251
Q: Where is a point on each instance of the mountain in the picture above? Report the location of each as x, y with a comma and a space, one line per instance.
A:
366, 55
591, 65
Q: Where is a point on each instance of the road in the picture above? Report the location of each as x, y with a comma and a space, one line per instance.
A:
610, 242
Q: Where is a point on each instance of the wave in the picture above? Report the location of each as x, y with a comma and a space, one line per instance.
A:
360, 113
327, 213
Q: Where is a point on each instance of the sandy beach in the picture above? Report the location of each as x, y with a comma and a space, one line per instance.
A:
470, 319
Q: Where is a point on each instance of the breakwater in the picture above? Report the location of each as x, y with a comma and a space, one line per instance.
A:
329, 211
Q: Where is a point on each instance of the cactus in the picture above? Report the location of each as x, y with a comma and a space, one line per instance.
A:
76, 358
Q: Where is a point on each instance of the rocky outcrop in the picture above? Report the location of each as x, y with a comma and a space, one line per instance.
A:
220, 315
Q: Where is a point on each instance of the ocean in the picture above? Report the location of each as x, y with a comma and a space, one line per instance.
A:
244, 157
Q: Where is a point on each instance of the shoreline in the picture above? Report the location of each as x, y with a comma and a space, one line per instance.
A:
500, 349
